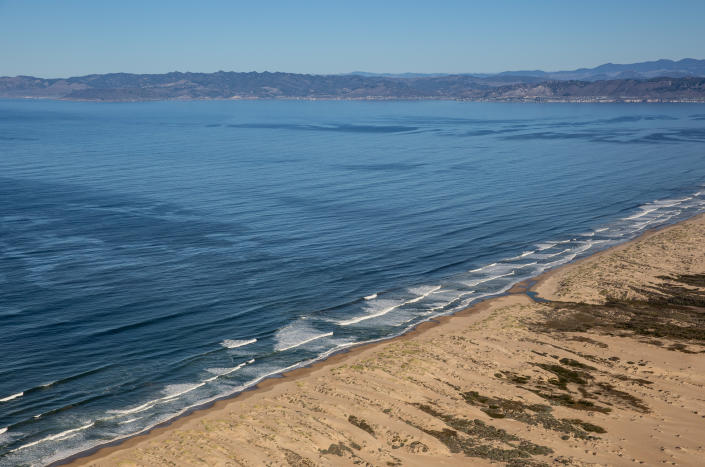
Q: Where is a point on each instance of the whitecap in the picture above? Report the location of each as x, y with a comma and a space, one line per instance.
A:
14, 396
545, 246
305, 341
371, 297
225, 371
140, 408
522, 255
422, 291
62, 435
3, 430
129, 420
483, 267
551, 255
486, 279
173, 391
560, 261
644, 211
234, 344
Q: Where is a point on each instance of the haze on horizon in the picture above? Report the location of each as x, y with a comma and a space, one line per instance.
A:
77, 37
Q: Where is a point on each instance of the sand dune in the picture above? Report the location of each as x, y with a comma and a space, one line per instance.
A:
611, 371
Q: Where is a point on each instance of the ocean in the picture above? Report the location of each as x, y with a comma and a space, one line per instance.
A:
157, 256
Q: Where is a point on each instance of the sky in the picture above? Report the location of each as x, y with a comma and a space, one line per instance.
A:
61, 38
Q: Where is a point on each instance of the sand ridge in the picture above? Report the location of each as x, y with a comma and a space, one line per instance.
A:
611, 371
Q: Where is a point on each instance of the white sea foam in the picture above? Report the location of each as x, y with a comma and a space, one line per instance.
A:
560, 261
522, 255
225, 371
371, 297
504, 267
377, 312
125, 422
218, 371
62, 435
545, 246
174, 391
644, 211
3, 430
486, 279
14, 396
140, 408
234, 344
551, 255
602, 229
305, 341
483, 267
657, 205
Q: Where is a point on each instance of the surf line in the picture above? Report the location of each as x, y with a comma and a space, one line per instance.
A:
14, 396
234, 344
170, 397
387, 310
63, 434
306, 341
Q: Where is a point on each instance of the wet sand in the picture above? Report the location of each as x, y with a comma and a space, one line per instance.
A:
610, 371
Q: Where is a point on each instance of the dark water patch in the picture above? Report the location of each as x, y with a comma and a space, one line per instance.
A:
392, 167
16, 138
445, 121
604, 135
489, 132
343, 128
625, 136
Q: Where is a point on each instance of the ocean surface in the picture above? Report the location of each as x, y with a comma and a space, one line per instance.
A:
156, 256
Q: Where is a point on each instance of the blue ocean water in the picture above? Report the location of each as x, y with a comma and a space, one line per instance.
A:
155, 256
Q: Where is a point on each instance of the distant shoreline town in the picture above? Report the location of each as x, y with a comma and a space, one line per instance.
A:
651, 82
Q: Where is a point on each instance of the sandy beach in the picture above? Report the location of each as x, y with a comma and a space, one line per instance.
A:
609, 370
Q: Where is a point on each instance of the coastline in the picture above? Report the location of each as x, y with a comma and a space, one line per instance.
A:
471, 315
508, 100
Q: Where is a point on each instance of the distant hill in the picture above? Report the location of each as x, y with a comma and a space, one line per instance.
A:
688, 67
515, 86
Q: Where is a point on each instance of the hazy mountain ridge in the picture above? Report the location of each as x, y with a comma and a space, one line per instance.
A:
512, 86
687, 67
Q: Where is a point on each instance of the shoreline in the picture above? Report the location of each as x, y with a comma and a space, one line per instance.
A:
522, 100
531, 288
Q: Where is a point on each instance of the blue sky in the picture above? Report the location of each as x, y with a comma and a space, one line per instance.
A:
59, 38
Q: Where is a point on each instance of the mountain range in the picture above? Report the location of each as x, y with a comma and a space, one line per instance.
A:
658, 81
688, 67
